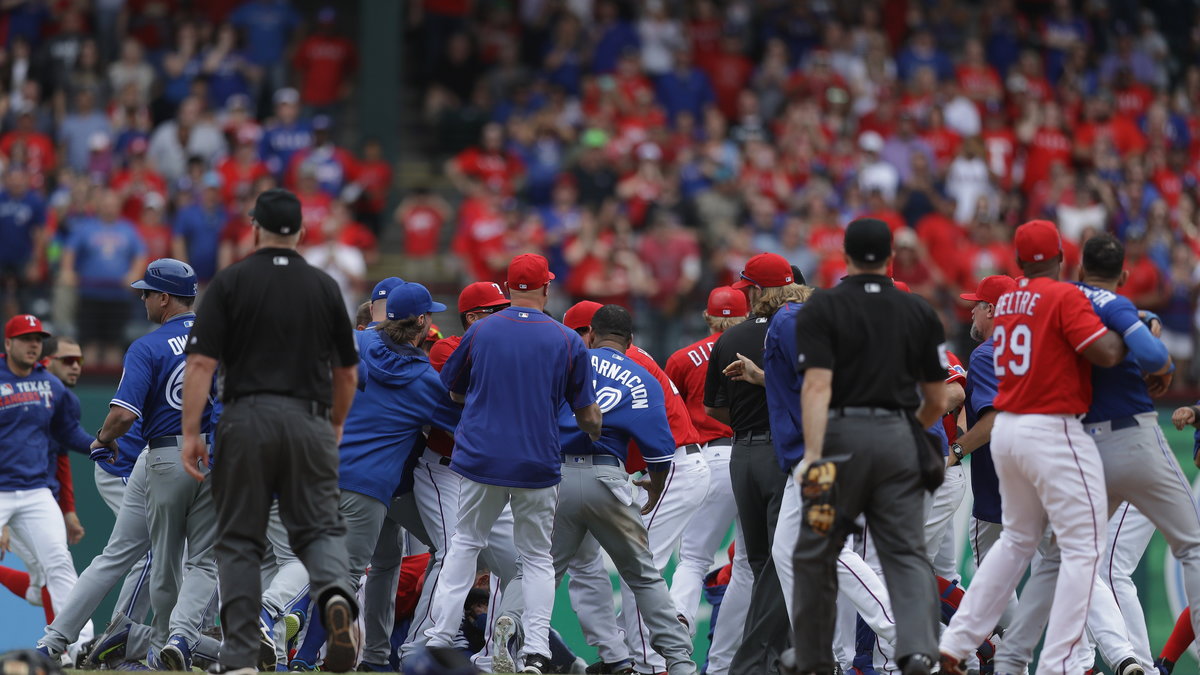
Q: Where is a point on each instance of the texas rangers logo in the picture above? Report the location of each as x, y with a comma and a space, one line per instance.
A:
6, 390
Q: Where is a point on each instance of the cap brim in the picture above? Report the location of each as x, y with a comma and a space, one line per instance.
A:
741, 284
436, 307
551, 275
141, 285
28, 332
971, 297
494, 303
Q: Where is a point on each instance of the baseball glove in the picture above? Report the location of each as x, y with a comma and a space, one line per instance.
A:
816, 489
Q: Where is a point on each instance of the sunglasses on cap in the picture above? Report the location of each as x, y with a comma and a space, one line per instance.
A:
752, 282
69, 360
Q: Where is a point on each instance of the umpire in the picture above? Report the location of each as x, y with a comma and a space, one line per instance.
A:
866, 349
279, 330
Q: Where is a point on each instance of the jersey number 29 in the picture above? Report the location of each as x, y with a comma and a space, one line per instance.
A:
1016, 346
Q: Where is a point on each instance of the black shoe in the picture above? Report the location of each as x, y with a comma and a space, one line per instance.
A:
537, 664
619, 668
341, 641
916, 664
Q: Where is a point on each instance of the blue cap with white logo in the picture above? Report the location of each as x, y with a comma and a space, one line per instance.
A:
384, 287
409, 299
170, 276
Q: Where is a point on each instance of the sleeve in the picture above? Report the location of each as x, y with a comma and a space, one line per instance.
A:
653, 435
66, 484
956, 372
715, 383
136, 377
1148, 351
65, 427
580, 391
814, 335
1078, 319
933, 360
456, 373
208, 333
982, 378
782, 384
341, 334
439, 353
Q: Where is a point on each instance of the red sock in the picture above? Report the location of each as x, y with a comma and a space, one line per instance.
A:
1181, 638
49, 608
954, 597
14, 580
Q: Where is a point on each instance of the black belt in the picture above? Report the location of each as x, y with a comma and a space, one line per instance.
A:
752, 436
691, 449
314, 408
720, 442
852, 411
604, 459
1123, 423
172, 441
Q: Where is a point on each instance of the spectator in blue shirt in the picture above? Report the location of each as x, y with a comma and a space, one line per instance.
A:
685, 87
512, 373
613, 36
287, 135
197, 229
103, 256
79, 126
268, 26
22, 221
923, 51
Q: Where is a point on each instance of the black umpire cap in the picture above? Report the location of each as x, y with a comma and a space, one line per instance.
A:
278, 211
868, 240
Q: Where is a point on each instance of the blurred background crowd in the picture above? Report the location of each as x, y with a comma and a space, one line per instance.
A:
646, 148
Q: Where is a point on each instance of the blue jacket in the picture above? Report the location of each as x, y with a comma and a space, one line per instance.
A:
399, 393
33, 413
783, 384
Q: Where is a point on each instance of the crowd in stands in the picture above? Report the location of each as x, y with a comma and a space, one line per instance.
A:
138, 129
649, 148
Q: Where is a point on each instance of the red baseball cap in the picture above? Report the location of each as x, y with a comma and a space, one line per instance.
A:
481, 294
581, 313
990, 289
1037, 240
528, 272
727, 301
24, 324
765, 270
901, 286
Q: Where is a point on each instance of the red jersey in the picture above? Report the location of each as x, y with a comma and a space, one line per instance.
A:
677, 413
687, 369
422, 230
978, 82
1120, 132
375, 179
497, 170
237, 177
1041, 328
955, 373
1000, 147
314, 209
1047, 147
441, 441
324, 62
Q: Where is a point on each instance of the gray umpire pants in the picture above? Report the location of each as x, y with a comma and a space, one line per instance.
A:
758, 492
364, 519
878, 476
269, 444
1139, 468
383, 579
128, 545
183, 520
599, 499
134, 598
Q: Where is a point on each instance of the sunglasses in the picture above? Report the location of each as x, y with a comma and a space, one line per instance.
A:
69, 360
753, 282
146, 294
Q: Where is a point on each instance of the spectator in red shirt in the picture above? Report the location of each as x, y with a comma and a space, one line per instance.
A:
373, 175
1049, 144
672, 257
314, 205
37, 149
487, 166
153, 228
135, 180
729, 71
421, 216
977, 79
1102, 125
240, 171
326, 62
1145, 285
479, 242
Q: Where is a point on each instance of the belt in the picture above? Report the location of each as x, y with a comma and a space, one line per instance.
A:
692, 449
172, 441
752, 436
314, 408
598, 459
853, 411
720, 443
435, 457
1108, 426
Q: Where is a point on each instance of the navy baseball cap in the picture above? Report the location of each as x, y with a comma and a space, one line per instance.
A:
408, 299
277, 210
170, 276
384, 287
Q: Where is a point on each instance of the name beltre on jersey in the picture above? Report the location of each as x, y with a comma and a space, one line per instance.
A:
1017, 302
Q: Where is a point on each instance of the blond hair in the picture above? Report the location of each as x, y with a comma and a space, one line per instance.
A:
774, 297
720, 324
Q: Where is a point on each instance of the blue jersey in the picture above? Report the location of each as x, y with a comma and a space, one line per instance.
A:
783, 383
981, 390
103, 255
201, 229
152, 383
129, 447
633, 408
20, 216
1119, 391
399, 393
71, 401
281, 141
516, 369
33, 414
268, 25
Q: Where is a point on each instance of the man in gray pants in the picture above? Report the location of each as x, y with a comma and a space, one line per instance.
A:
597, 497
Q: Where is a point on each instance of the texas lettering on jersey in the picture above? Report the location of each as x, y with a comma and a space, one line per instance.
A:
25, 393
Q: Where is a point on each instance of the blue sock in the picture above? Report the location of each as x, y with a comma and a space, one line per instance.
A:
864, 644
313, 640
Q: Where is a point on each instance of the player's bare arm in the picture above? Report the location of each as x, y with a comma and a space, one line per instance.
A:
933, 403
116, 425
955, 396
719, 414
197, 381
745, 370
978, 435
654, 483
814, 410
1106, 352
589, 420
1182, 417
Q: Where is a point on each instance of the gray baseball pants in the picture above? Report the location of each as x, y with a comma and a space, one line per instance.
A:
1140, 468
383, 579
134, 598
599, 499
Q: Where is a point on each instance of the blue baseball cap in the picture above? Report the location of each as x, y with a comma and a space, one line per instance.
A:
384, 287
409, 299
170, 276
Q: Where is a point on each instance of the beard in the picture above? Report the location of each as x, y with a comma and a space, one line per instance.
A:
975, 334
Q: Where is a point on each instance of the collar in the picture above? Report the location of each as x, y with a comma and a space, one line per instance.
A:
290, 252
394, 346
869, 278
180, 317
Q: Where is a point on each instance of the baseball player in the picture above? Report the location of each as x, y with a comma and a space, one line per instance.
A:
400, 395
710, 522
1049, 468
687, 485
378, 299
507, 448
597, 496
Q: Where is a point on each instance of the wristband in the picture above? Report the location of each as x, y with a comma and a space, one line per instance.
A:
1150, 318
957, 451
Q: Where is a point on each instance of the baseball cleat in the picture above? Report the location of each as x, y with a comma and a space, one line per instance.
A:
266, 646
45, 650
131, 665
502, 660
365, 667
617, 668
1129, 666
917, 664
110, 646
176, 655
293, 623
341, 645
536, 664
298, 666
951, 665
1164, 666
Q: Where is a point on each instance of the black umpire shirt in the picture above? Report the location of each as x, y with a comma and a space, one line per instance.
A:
277, 325
880, 342
747, 402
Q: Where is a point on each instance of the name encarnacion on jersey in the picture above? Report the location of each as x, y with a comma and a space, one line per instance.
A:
614, 372
1017, 302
